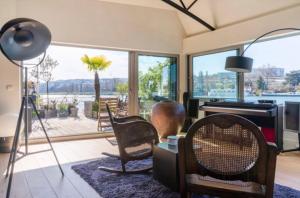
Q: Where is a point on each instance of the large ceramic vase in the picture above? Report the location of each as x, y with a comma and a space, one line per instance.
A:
168, 118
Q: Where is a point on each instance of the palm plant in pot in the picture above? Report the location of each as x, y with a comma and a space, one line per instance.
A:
96, 64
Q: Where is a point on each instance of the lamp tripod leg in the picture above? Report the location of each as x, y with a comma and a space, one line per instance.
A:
10, 168
26, 111
14, 142
26, 125
47, 137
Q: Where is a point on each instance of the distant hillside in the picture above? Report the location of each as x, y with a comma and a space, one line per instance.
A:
81, 86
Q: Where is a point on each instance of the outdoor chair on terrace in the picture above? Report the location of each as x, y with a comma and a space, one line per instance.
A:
103, 117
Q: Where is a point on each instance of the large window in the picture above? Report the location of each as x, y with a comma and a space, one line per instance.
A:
157, 78
275, 75
210, 79
70, 93
64, 88
276, 70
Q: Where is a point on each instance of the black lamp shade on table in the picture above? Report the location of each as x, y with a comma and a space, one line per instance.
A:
239, 64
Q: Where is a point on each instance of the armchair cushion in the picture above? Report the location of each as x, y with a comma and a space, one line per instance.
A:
218, 185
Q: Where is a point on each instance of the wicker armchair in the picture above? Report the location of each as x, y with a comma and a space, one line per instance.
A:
226, 155
135, 138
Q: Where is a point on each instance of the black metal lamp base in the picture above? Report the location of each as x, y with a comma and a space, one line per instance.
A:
14, 150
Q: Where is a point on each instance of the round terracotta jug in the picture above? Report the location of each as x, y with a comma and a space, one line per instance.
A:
167, 117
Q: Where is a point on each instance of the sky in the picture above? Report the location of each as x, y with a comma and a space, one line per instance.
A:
211, 63
71, 67
282, 52
145, 62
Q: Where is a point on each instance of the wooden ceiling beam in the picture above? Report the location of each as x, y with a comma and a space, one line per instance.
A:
190, 6
183, 5
185, 11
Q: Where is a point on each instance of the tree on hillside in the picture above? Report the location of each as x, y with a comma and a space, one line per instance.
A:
292, 79
261, 84
151, 81
249, 85
122, 88
267, 71
200, 83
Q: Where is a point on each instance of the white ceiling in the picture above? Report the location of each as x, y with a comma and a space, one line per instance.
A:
144, 3
218, 13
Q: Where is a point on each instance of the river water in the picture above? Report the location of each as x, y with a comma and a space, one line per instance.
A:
82, 98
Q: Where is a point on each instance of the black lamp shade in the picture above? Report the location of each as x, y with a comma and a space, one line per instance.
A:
239, 64
24, 39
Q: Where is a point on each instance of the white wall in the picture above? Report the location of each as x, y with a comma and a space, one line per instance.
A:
9, 73
103, 24
242, 32
94, 23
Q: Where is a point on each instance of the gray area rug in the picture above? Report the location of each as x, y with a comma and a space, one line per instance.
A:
109, 185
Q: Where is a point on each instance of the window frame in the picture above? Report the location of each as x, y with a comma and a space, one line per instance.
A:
263, 39
134, 76
239, 76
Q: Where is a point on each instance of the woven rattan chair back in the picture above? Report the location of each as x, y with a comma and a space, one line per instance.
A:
226, 147
135, 138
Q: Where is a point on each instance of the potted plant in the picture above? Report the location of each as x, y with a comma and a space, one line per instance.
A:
72, 108
94, 64
50, 110
62, 110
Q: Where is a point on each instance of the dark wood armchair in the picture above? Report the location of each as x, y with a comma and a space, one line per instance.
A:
226, 155
135, 138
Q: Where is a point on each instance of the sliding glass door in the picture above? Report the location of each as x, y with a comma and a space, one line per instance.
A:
65, 90
157, 81
68, 92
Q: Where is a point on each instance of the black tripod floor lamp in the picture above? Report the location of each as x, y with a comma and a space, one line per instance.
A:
24, 39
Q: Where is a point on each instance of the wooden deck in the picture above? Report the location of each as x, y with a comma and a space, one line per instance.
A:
69, 126
37, 176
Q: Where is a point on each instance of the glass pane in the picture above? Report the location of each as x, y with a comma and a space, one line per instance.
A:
275, 75
210, 79
157, 77
66, 92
